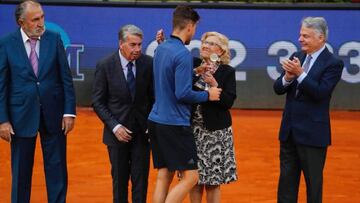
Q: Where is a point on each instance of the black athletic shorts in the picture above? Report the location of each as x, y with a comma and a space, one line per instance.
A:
173, 147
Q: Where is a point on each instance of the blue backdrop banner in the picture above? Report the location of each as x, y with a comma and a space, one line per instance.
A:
259, 38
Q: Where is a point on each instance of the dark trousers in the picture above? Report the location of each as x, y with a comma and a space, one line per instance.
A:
22, 161
130, 161
295, 158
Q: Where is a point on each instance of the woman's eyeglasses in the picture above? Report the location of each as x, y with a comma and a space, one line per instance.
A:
212, 44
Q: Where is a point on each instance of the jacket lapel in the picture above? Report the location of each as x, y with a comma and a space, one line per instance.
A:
294, 85
20, 48
118, 70
44, 50
316, 68
220, 69
319, 63
139, 75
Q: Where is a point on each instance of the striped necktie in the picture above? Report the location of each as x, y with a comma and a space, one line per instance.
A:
306, 65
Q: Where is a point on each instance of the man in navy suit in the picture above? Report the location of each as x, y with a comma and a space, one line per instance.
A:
36, 95
309, 79
122, 97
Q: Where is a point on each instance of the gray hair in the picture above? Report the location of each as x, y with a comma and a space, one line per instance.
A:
22, 8
318, 24
130, 29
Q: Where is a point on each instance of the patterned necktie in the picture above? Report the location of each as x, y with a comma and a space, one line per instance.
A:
33, 56
131, 79
307, 63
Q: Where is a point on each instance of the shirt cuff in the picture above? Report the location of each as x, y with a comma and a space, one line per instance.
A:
286, 83
70, 115
116, 128
301, 77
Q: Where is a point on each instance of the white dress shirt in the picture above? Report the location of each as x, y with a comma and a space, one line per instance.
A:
124, 67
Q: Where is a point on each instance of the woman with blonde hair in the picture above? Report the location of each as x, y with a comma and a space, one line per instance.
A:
211, 121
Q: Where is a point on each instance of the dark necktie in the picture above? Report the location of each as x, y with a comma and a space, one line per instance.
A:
33, 57
306, 65
131, 79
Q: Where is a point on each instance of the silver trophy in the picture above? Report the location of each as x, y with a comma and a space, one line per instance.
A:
200, 71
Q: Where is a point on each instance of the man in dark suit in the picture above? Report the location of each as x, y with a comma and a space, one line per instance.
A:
122, 98
36, 95
309, 79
